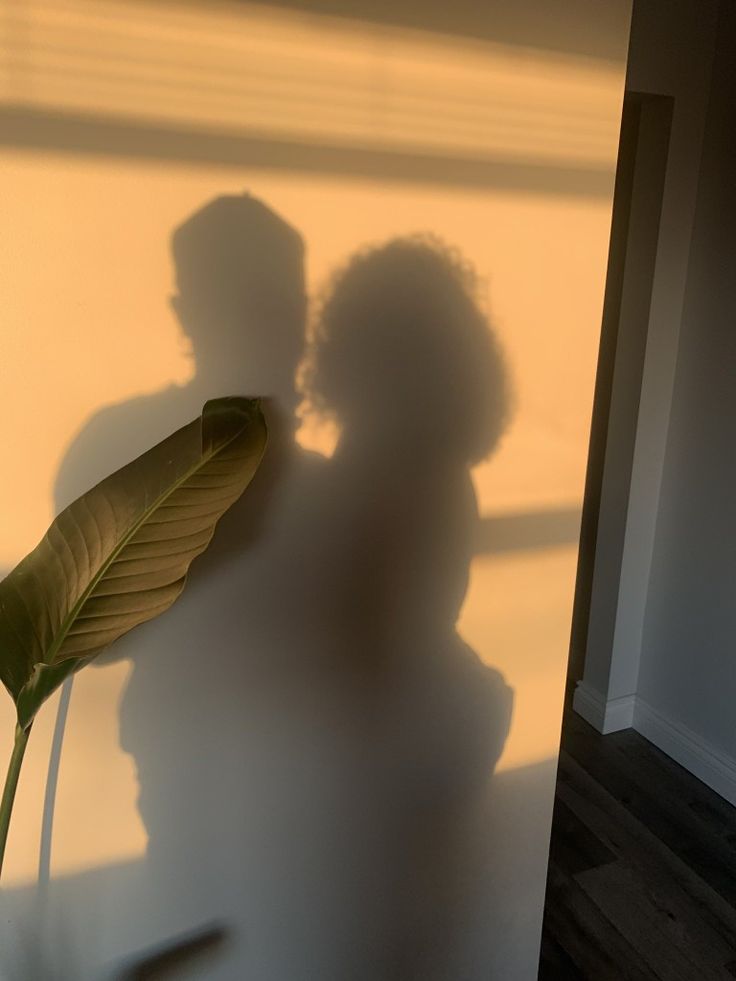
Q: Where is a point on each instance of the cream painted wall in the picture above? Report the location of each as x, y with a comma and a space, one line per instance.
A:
87, 281
671, 54
686, 675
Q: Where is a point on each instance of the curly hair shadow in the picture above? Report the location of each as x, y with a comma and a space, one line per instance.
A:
403, 321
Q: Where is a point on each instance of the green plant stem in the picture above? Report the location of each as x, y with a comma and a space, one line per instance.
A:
11, 782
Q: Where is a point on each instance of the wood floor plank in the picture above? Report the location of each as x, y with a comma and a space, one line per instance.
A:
574, 846
593, 944
709, 919
657, 805
661, 938
555, 964
642, 876
716, 812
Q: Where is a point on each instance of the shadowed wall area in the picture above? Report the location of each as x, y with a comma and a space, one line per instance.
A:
334, 757
314, 682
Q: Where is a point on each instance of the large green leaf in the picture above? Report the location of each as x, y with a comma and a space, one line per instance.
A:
119, 554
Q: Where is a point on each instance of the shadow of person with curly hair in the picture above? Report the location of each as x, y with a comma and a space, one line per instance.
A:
404, 361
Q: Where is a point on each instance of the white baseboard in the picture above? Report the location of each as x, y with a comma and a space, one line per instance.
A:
712, 766
605, 716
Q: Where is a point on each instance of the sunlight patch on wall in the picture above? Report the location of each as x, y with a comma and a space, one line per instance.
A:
90, 324
517, 617
96, 822
303, 77
88, 283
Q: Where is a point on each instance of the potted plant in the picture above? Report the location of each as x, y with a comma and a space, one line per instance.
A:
118, 556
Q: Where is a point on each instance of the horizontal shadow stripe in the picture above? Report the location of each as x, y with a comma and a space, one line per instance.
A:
35, 129
528, 530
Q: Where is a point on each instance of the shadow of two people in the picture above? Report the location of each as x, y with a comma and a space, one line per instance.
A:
310, 732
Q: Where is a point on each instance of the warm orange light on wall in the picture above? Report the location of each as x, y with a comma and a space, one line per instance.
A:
88, 279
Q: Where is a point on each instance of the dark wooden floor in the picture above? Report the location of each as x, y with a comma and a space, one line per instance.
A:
642, 875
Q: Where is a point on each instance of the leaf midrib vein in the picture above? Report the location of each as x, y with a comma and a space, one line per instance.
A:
71, 616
